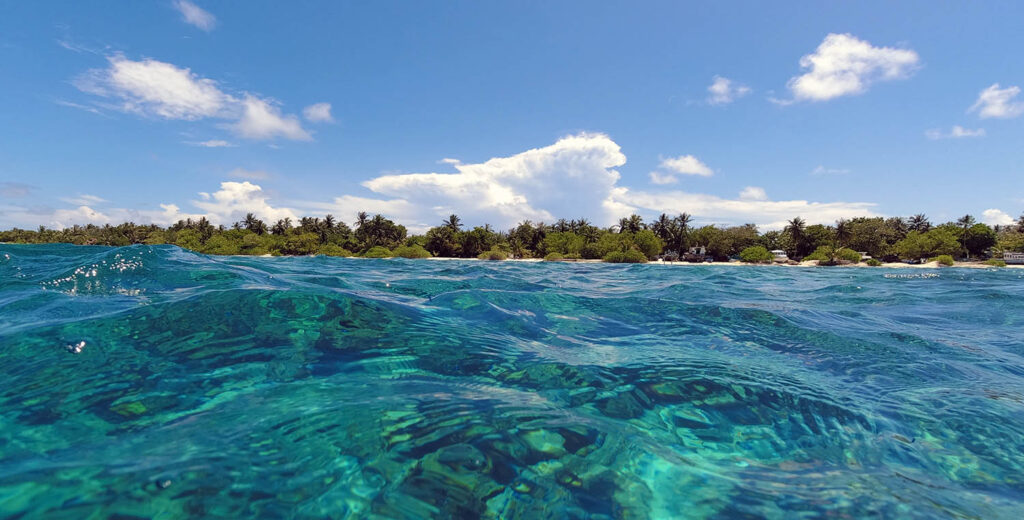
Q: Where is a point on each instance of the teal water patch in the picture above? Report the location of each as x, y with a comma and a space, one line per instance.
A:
158, 383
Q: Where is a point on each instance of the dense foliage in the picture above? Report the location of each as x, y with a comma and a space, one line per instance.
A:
756, 255
890, 239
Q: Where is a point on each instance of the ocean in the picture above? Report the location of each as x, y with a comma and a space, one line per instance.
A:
153, 382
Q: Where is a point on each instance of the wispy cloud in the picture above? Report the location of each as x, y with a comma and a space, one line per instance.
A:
318, 113
157, 89
84, 200
723, 91
87, 108
15, 190
957, 132
212, 143
242, 173
821, 170
845, 65
194, 15
998, 103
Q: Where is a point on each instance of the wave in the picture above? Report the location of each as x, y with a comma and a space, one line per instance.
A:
149, 380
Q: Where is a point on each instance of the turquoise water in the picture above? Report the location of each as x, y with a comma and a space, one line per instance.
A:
159, 383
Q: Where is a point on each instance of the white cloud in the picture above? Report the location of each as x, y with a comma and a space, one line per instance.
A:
84, 200
844, 65
318, 113
998, 103
576, 172
242, 173
724, 91
994, 217
577, 175
574, 177
663, 178
263, 120
192, 14
686, 165
235, 199
957, 132
821, 170
81, 215
212, 143
753, 193
767, 214
154, 88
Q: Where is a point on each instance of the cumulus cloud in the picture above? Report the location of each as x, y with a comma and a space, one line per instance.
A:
844, 65
153, 88
765, 213
957, 132
263, 120
995, 217
753, 193
318, 113
235, 199
574, 177
723, 91
192, 14
576, 172
998, 102
81, 215
686, 165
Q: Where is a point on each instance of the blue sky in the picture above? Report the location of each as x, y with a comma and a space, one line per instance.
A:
732, 111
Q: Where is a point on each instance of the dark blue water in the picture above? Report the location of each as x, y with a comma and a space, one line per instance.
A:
160, 383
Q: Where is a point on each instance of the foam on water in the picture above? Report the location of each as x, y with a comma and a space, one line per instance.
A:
156, 382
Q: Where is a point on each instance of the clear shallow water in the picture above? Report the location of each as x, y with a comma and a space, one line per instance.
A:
324, 387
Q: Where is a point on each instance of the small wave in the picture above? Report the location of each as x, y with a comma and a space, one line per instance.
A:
177, 383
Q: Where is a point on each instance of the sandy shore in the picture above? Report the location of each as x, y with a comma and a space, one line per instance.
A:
811, 263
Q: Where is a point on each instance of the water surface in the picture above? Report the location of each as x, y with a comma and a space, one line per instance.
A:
159, 383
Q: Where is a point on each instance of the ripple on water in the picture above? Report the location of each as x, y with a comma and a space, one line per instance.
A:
151, 381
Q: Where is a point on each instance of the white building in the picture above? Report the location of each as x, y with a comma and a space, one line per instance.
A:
1013, 258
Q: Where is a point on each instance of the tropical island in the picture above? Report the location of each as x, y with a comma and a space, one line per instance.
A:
871, 240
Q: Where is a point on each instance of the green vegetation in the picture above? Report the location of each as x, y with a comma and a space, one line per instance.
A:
873, 262
946, 260
632, 256
378, 252
413, 251
553, 257
995, 262
756, 255
889, 239
493, 254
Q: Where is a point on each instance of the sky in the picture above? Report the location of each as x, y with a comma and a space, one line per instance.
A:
734, 112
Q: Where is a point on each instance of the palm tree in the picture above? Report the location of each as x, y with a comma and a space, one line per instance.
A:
453, 223
1020, 223
842, 231
965, 222
329, 222
361, 219
919, 223
662, 227
795, 229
